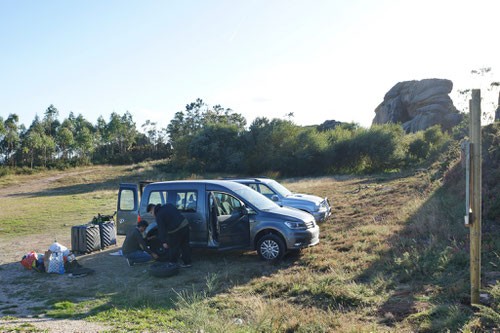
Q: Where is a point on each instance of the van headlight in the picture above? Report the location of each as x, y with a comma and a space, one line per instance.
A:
295, 225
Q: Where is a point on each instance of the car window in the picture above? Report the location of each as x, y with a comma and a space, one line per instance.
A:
266, 191
192, 201
256, 199
186, 201
282, 190
254, 187
156, 197
228, 204
180, 201
127, 201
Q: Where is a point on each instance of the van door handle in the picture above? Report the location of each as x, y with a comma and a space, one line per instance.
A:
198, 221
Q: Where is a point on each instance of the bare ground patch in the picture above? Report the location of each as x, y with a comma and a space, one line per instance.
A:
37, 184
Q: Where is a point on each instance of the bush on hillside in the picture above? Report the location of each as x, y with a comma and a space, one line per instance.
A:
490, 316
491, 171
418, 149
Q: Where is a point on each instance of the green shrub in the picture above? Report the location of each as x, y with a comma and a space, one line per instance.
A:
418, 149
4, 171
490, 316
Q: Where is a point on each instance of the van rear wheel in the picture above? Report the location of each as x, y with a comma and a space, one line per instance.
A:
271, 247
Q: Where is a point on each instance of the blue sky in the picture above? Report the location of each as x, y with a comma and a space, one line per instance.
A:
318, 59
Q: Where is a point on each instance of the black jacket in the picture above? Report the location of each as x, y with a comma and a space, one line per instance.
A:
168, 219
134, 242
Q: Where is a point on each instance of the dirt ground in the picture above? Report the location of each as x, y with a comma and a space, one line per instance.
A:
12, 293
36, 185
23, 292
16, 281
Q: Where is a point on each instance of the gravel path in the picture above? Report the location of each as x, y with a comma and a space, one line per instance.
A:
47, 324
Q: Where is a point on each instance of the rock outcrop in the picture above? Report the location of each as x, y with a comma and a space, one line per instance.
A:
418, 105
328, 125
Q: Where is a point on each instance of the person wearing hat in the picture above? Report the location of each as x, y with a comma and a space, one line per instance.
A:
134, 247
173, 230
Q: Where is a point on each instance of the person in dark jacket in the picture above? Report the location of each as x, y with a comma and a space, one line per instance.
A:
134, 247
173, 230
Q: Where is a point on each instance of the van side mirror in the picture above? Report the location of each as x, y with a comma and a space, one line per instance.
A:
247, 210
275, 198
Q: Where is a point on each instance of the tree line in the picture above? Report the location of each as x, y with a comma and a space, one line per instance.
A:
216, 139
48, 142
205, 138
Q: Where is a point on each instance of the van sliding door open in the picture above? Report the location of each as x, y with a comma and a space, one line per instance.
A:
228, 223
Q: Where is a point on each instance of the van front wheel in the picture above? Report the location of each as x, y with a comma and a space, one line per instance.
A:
271, 247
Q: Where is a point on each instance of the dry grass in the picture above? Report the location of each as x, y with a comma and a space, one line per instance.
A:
391, 258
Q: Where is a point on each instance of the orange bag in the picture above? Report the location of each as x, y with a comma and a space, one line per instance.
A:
28, 260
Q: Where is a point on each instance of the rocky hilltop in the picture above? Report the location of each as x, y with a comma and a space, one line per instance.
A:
418, 105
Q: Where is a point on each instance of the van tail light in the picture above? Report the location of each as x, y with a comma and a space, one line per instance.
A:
138, 218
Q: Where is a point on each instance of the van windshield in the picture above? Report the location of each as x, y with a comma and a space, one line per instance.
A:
255, 198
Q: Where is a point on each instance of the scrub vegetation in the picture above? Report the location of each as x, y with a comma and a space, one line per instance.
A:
394, 256
205, 138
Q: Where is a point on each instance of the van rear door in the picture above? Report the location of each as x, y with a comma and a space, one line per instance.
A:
127, 211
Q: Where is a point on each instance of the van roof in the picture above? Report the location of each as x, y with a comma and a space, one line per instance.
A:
229, 184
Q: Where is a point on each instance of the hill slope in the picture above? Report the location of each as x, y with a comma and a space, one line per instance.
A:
392, 257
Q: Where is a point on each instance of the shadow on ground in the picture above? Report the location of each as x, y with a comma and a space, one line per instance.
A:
109, 184
116, 285
426, 268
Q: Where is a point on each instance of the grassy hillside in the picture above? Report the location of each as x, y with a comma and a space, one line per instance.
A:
392, 257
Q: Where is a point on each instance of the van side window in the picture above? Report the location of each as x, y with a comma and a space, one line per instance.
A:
191, 202
157, 197
254, 187
227, 204
127, 201
186, 201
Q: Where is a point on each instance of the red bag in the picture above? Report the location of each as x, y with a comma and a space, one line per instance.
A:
28, 260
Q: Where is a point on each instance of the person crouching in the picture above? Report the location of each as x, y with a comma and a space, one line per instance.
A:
134, 247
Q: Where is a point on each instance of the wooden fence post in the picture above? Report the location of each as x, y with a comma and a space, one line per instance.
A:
475, 228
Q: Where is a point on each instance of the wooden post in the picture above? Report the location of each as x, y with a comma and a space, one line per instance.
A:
475, 230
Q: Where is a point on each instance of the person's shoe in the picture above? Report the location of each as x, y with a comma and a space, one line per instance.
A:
185, 265
130, 264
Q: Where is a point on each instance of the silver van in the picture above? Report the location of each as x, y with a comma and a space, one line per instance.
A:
222, 215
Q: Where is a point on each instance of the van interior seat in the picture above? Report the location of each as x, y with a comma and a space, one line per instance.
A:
191, 203
227, 208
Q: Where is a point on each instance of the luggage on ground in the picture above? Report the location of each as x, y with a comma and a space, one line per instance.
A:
108, 233
56, 263
29, 259
85, 238
107, 228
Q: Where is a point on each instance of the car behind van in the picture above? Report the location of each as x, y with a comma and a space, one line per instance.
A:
314, 205
222, 215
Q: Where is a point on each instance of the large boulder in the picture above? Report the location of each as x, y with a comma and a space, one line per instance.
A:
328, 125
418, 105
